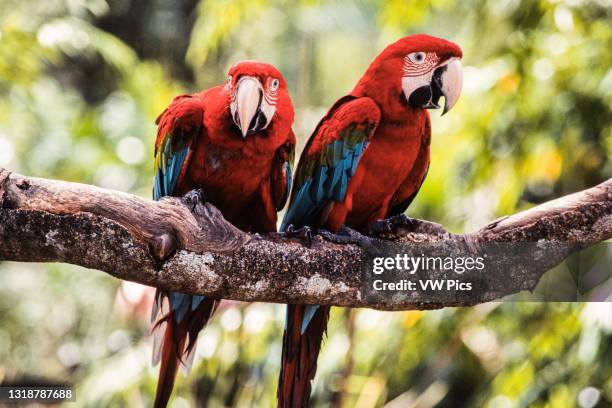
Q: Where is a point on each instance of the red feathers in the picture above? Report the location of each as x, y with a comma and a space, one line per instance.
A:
175, 344
300, 353
236, 144
365, 161
383, 79
236, 172
392, 169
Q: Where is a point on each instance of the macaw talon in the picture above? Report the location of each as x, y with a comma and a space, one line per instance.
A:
402, 220
418, 226
193, 198
335, 238
304, 234
391, 225
380, 227
348, 235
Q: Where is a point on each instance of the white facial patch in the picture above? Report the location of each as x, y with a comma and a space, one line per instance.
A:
411, 84
268, 111
250, 102
418, 71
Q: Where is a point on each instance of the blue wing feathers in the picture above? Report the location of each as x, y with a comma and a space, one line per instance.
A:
170, 164
338, 163
157, 189
308, 315
166, 177
195, 301
340, 192
325, 178
180, 304
320, 177
175, 166
330, 182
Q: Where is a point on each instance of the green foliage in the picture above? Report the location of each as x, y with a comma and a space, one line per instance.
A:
81, 83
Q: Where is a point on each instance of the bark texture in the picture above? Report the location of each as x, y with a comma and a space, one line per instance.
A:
186, 245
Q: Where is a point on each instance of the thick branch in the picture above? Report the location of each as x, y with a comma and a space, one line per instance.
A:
185, 245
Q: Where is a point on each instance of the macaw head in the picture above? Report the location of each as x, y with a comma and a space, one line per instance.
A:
258, 96
416, 70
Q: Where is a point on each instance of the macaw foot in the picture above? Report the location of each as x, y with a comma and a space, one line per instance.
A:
304, 234
402, 220
163, 246
391, 225
348, 235
193, 198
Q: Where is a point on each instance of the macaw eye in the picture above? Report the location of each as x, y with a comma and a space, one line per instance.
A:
274, 84
417, 57
229, 80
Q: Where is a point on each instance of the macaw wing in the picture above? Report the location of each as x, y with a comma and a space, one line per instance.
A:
282, 173
178, 129
330, 159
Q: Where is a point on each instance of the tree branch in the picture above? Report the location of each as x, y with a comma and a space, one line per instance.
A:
186, 245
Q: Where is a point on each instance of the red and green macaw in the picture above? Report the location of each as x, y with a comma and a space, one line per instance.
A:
235, 142
365, 161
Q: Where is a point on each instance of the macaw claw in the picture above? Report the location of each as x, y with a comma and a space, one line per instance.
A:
402, 220
304, 233
193, 198
391, 225
347, 235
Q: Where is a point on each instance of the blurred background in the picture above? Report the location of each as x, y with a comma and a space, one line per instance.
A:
82, 81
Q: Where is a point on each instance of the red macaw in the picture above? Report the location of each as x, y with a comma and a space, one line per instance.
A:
364, 162
235, 142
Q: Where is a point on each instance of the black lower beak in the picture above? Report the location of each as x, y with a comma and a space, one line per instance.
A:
259, 119
421, 97
428, 96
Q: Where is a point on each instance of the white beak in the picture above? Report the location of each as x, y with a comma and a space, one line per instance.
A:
452, 82
248, 98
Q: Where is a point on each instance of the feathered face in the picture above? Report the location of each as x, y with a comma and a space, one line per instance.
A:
426, 79
257, 92
429, 68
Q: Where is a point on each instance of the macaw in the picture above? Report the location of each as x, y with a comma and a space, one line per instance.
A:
235, 142
365, 161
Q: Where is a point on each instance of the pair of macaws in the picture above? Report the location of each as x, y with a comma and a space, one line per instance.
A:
365, 161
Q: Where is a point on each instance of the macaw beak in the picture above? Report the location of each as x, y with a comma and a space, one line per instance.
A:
426, 90
249, 94
451, 83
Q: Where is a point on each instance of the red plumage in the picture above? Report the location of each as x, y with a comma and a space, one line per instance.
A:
365, 161
177, 345
299, 355
235, 173
242, 168
395, 163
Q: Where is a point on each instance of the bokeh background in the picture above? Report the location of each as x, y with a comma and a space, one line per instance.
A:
82, 81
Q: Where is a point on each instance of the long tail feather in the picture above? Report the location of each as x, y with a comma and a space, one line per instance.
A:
300, 352
169, 366
175, 336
